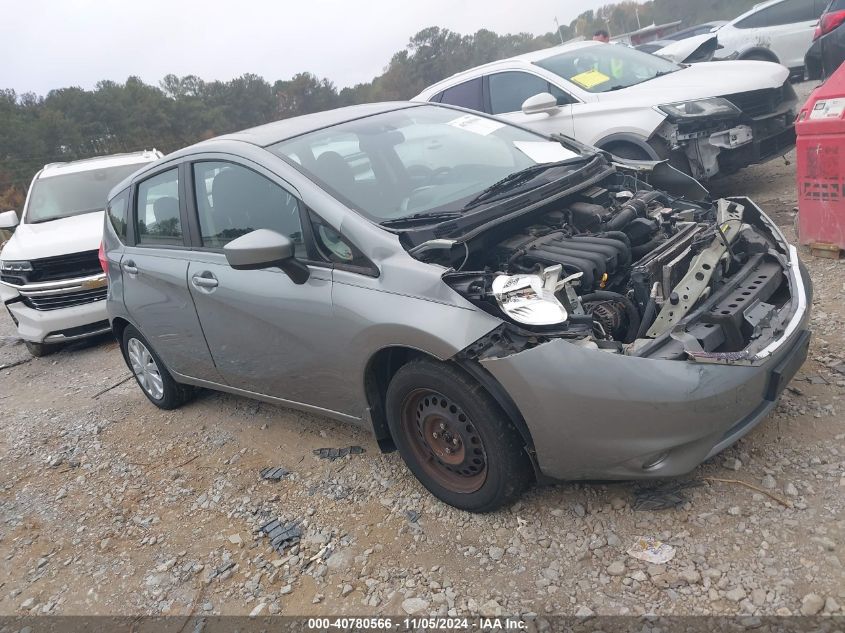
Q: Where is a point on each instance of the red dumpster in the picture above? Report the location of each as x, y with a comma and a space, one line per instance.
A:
821, 168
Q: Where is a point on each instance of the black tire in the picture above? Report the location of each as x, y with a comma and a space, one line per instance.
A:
491, 467
627, 151
759, 57
40, 350
173, 394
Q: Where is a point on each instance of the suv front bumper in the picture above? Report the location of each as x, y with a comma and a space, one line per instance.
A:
33, 308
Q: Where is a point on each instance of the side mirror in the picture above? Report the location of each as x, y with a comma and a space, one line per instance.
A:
543, 103
8, 220
264, 248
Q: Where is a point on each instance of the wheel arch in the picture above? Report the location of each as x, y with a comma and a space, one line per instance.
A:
626, 138
762, 51
384, 364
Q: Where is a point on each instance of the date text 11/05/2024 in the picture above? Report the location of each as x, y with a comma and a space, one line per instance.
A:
414, 624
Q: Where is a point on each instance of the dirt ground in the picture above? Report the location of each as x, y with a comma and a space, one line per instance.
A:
110, 506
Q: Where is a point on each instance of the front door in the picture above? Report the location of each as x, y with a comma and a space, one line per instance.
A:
266, 334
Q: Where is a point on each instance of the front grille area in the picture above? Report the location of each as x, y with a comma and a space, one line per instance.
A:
756, 103
72, 266
64, 299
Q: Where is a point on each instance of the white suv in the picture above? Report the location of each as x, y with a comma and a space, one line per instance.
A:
51, 281
777, 31
707, 118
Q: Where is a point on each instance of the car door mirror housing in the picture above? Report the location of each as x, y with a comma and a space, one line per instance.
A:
264, 248
543, 103
8, 220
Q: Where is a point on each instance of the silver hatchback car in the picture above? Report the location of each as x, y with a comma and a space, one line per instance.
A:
502, 307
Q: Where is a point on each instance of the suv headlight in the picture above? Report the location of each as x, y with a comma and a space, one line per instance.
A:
716, 107
10, 266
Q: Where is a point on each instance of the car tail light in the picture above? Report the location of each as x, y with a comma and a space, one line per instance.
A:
101, 255
829, 22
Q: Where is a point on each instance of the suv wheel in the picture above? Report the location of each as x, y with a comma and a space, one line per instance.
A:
41, 349
455, 438
150, 373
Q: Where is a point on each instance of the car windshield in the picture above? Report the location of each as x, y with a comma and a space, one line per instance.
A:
418, 161
606, 67
62, 196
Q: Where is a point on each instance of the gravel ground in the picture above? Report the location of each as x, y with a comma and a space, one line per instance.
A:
110, 506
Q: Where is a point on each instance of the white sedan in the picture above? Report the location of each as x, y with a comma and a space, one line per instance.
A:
707, 118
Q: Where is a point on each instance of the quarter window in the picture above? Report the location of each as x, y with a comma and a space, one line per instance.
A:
118, 211
465, 95
159, 222
233, 201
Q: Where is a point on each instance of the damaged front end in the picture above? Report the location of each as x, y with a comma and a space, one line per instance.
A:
724, 134
636, 271
642, 331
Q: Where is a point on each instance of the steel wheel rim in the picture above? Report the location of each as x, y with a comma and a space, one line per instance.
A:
445, 441
145, 369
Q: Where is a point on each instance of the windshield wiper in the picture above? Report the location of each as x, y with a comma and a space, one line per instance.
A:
519, 177
421, 218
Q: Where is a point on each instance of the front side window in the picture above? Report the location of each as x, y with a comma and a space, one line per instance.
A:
782, 13
465, 95
415, 160
158, 219
509, 90
233, 201
54, 197
118, 212
607, 67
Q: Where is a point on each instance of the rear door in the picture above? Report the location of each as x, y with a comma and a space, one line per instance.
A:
787, 28
154, 271
266, 334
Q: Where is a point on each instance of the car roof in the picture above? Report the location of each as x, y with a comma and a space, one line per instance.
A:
270, 133
99, 162
527, 58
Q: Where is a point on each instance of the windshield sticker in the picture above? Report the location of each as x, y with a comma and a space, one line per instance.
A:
590, 79
544, 151
830, 109
476, 124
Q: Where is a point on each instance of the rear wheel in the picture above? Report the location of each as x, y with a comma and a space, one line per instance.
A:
759, 57
455, 438
151, 374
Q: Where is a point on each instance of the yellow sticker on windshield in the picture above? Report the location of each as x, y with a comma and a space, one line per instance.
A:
590, 79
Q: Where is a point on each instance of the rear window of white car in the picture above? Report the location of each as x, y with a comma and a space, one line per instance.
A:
607, 67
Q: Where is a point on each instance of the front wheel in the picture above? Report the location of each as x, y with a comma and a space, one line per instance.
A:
41, 349
455, 438
150, 373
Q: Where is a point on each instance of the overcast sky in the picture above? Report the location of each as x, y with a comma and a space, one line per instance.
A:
46, 44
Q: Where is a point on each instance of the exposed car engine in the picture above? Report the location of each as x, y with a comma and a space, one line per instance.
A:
625, 266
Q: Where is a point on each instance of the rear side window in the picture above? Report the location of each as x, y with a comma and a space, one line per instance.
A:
786, 12
118, 212
158, 219
465, 95
233, 201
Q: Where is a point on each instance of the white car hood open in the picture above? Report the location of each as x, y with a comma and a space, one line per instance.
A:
699, 81
58, 237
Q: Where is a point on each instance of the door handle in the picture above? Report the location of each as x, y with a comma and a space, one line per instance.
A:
204, 280
129, 267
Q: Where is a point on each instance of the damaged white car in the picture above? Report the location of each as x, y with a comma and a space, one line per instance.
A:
706, 118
